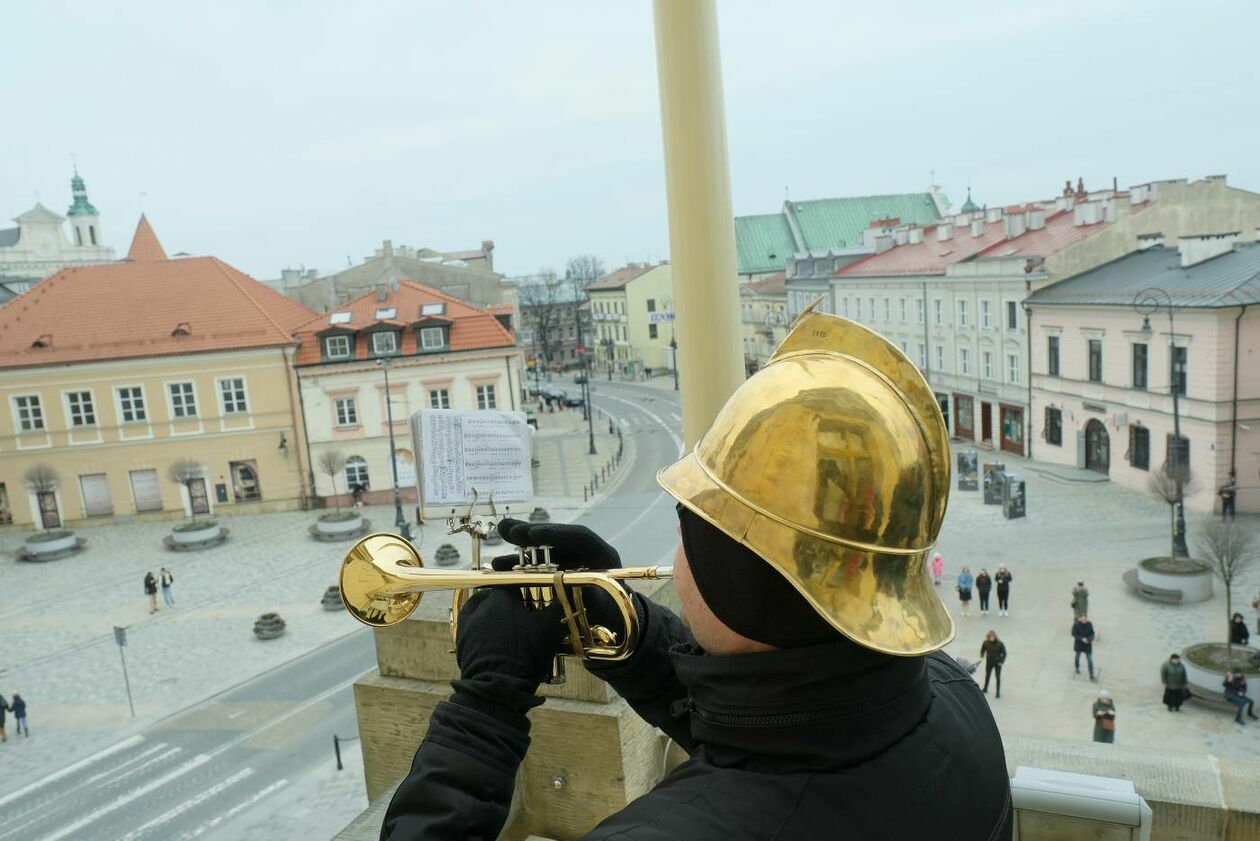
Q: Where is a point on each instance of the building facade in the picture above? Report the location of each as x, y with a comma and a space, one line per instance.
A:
632, 314
763, 318
437, 353
1107, 360
107, 396
39, 246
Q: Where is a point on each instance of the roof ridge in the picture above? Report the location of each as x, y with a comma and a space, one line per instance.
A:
222, 267
452, 299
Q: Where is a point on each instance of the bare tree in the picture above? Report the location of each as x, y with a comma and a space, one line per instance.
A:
1163, 485
1230, 549
41, 478
584, 268
184, 471
544, 303
333, 462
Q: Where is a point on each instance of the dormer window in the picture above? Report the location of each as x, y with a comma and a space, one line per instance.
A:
384, 343
338, 347
43, 341
386, 312
432, 338
182, 329
432, 309
339, 318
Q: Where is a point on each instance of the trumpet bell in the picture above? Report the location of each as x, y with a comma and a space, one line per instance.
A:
369, 590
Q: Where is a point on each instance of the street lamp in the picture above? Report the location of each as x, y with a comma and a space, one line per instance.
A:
400, 522
1147, 302
673, 346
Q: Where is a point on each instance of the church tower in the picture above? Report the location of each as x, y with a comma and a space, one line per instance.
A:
84, 220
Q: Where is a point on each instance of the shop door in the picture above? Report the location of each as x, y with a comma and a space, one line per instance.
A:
986, 422
245, 481
48, 514
964, 422
1012, 429
145, 490
198, 497
6, 513
96, 502
1097, 447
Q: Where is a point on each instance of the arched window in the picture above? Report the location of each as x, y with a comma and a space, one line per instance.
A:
92, 233
356, 472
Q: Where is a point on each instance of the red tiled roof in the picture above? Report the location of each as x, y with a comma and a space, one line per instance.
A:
145, 245
932, 256
130, 310
775, 284
619, 278
472, 328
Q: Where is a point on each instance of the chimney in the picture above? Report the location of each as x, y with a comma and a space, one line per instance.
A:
1201, 247
945, 231
916, 235
1150, 241
1013, 225
387, 248
901, 236
993, 214
883, 242
1036, 219
977, 227
382, 293
1088, 213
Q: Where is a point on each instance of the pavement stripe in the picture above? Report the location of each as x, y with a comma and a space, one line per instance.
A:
171, 814
672, 434
191, 765
70, 769
233, 812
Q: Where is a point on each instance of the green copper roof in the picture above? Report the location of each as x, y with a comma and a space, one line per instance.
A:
81, 206
763, 243
969, 206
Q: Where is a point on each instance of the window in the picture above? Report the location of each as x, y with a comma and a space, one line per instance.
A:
1054, 427
918, 311
962, 313
337, 347
347, 412
232, 392
183, 400
1177, 458
431, 338
905, 348
964, 361
433, 309
82, 413
384, 343
887, 310
1179, 371
844, 306
30, 414
78, 237
1139, 366
339, 318
986, 317
485, 397
1095, 360
131, 401
1139, 447
1012, 315
651, 331
872, 301
439, 398
356, 472
986, 364
651, 304
922, 355
940, 357
937, 310
1052, 355
1012, 367
901, 306
92, 233
386, 312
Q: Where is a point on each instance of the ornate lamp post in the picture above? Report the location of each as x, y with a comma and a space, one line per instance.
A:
1147, 302
400, 522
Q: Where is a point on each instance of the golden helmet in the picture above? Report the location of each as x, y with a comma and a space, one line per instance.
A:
832, 464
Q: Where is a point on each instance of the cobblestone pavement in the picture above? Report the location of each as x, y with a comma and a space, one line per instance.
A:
1091, 532
56, 618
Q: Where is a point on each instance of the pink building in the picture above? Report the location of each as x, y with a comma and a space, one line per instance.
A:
1106, 362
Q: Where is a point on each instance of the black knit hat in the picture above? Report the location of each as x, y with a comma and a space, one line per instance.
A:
745, 592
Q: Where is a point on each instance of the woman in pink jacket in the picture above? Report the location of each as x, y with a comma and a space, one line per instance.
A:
938, 567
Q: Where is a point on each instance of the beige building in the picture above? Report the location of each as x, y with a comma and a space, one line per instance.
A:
110, 374
763, 318
441, 353
632, 313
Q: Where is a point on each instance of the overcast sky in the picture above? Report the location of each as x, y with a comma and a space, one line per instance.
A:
289, 134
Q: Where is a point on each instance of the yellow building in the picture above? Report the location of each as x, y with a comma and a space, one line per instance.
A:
110, 374
632, 314
763, 318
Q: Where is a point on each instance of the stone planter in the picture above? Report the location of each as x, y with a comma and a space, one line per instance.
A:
1212, 678
58, 543
339, 526
208, 531
1192, 578
539, 515
446, 555
332, 599
269, 626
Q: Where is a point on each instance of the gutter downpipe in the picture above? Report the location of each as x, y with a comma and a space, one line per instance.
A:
1233, 427
1028, 436
307, 475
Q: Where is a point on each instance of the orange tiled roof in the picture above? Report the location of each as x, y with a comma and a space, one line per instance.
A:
130, 310
145, 245
775, 284
472, 328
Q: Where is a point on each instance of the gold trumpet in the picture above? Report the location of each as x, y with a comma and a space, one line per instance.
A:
383, 579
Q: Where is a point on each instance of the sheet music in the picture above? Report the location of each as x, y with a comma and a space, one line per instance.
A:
459, 451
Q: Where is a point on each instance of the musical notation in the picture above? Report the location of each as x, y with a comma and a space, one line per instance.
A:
459, 451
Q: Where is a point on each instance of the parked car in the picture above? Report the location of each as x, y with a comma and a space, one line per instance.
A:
574, 398
580, 379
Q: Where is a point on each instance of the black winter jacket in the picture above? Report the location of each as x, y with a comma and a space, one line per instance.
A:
803, 743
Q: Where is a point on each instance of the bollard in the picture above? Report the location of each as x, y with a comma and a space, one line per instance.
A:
337, 751
584, 495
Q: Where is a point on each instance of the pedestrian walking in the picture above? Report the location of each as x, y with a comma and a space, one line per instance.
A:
963, 584
1227, 493
1003, 580
1083, 643
18, 705
166, 580
1255, 605
356, 495
1238, 633
1080, 599
1104, 718
150, 590
4, 707
984, 584
1235, 692
938, 567
1176, 687
993, 652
